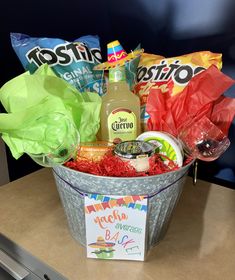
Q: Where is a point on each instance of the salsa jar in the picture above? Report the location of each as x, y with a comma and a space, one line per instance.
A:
136, 152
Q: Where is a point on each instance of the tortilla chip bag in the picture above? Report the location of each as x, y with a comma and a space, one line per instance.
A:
170, 74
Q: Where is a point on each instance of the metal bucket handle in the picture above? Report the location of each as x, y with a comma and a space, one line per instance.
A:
145, 196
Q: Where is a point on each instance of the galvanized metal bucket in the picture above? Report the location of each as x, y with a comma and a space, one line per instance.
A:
163, 192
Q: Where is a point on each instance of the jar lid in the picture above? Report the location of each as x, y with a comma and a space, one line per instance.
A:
134, 149
165, 144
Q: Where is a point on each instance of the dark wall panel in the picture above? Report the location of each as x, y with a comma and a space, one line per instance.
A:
166, 27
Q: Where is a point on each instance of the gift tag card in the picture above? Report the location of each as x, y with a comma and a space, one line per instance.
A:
116, 226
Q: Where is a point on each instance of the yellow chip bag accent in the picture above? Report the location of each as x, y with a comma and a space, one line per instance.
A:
170, 74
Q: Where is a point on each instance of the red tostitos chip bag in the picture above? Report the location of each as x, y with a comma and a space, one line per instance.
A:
170, 74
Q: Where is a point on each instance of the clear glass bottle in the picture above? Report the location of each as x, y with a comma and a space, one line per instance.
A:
120, 111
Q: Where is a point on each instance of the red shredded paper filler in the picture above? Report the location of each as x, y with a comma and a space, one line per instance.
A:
111, 165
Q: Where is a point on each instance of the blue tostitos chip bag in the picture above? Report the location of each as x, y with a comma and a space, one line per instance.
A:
72, 61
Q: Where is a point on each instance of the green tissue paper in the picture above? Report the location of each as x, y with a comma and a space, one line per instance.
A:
31, 99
